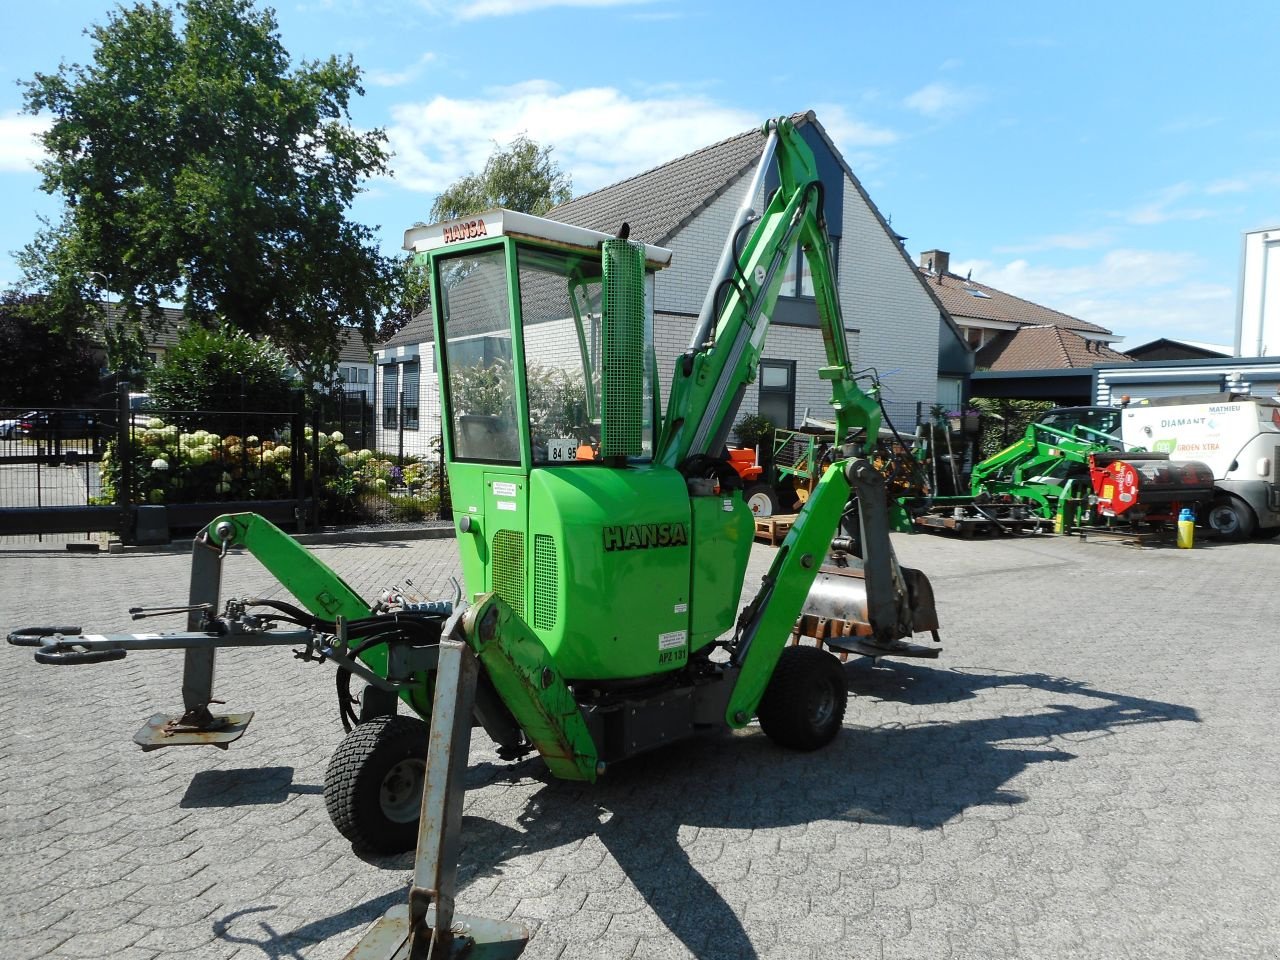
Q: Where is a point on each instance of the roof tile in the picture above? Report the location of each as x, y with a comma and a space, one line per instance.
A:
1045, 347
968, 298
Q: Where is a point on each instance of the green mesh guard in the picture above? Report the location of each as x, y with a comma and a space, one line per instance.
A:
622, 373
508, 568
546, 585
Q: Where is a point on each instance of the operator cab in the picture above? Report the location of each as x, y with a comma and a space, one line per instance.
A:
551, 279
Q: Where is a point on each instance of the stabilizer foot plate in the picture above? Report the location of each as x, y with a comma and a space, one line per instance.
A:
166, 731
476, 938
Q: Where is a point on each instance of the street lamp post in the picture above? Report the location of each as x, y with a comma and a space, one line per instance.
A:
106, 289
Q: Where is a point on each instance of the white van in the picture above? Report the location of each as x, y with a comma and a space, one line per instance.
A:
1237, 436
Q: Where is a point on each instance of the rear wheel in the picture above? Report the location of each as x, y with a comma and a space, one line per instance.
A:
373, 784
803, 705
1231, 518
761, 499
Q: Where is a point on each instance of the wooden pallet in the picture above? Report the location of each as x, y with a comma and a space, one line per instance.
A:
773, 530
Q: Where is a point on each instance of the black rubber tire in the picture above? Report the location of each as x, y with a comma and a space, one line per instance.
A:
767, 504
803, 705
1230, 518
373, 784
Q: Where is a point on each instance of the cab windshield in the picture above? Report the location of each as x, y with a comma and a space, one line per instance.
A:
560, 307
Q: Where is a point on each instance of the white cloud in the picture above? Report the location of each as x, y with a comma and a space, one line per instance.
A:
600, 134
1244, 183
1163, 208
936, 99
19, 148
1139, 294
398, 78
477, 9
849, 133
1190, 124
1083, 240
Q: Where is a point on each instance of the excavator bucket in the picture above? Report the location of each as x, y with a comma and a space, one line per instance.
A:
836, 614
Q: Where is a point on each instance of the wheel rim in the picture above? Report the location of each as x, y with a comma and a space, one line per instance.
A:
1224, 520
760, 504
400, 795
823, 706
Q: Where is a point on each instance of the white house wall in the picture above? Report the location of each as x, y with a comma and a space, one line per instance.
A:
881, 295
1258, 319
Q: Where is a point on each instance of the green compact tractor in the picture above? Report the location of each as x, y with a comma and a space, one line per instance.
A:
604, 543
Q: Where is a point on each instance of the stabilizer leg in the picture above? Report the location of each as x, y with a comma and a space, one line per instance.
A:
427, 928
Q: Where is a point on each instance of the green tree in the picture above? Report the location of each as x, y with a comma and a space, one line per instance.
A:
198, 166
412, 296
38, 367
523, 177
222, 370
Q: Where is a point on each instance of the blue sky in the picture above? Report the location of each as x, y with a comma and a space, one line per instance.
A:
1099, 158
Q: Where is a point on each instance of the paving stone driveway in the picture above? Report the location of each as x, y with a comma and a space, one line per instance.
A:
1091, 770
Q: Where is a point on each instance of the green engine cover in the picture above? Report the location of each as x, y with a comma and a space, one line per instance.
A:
610, 572
595, 560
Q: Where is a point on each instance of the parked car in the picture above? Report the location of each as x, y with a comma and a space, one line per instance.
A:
60, 424
9, 426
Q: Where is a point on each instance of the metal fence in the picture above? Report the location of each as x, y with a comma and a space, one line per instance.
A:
74, 474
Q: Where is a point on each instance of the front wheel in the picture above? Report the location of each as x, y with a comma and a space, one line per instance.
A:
803, 705
373, 784
761, 499
1231, 519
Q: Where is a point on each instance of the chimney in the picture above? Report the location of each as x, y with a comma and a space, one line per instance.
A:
936, 261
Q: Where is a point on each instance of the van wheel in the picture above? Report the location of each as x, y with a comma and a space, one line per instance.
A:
1230, 518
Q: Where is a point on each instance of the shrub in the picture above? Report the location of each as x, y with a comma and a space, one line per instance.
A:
754, 430
222, 370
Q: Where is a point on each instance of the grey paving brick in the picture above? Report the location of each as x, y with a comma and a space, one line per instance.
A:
1091, 769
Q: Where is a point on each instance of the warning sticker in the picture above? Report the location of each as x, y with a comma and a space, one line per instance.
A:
506, 505
669, 641
504, 489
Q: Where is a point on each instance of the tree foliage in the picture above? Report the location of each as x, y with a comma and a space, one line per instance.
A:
1004, 421
523, 177
221, 370
413, 295
198, 166
39, 367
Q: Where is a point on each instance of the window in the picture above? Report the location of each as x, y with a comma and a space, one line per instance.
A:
477, 357
410, 394
797, 278
777, 398
390, 396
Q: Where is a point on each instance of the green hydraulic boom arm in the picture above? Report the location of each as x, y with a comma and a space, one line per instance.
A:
712, 375
724, 354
